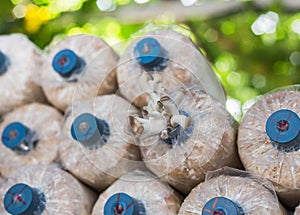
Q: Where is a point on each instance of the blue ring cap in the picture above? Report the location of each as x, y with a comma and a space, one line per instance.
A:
19, 138
221, 206
283, 126
147, 51
64, 62
89, 130
4, 63
123, 204
151, 55
21, 199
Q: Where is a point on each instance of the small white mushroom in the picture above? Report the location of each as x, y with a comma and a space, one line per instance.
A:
156, 84
181, 120
145, 85
180, 96
145, 113
136, 126
169, 106
147, 127
164, 134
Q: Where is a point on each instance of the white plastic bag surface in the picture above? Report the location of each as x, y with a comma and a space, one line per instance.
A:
23, 65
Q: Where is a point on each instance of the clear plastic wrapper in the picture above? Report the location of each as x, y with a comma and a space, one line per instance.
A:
39, 145
183, 136
171, 54
79, 67
59, 193
155, 196
20, 64
268, 141
232, 192
95, 162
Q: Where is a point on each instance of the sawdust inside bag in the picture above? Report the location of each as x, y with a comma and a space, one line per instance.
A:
20, 65
99, 164
59, 192
79, 67
247, 194
42, 124
155, 196
270, 158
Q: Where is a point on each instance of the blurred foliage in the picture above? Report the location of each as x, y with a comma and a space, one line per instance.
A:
253, 51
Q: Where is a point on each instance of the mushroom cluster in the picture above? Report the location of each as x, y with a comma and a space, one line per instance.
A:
162, 115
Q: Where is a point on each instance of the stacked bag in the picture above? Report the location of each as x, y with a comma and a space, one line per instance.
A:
86, 131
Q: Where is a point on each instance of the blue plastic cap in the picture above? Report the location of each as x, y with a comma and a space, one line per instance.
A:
64, 62
147, 51
84, 127
14, 134
18, 199
283, 126
3, 63
120, 203
221, 206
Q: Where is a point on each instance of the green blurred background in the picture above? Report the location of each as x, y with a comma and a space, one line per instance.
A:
253, 45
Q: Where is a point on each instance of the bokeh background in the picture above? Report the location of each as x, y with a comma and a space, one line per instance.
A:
254, 46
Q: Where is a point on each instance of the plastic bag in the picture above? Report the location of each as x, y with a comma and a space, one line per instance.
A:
20, 64
172, 55
154, 196
99, 163
230, 190
59, 193
274, 116
84, 72
184, 135
42, 124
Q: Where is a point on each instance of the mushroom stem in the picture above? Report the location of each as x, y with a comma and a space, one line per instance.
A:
181, 120
156, 84
144, 84
169, 106
147, 127
179, 96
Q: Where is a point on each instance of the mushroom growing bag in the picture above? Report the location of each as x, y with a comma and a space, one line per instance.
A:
269, 142
79, 67
44, 190
149, 194
171, 54
232, 192
29, 136
184, 135
95, 144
